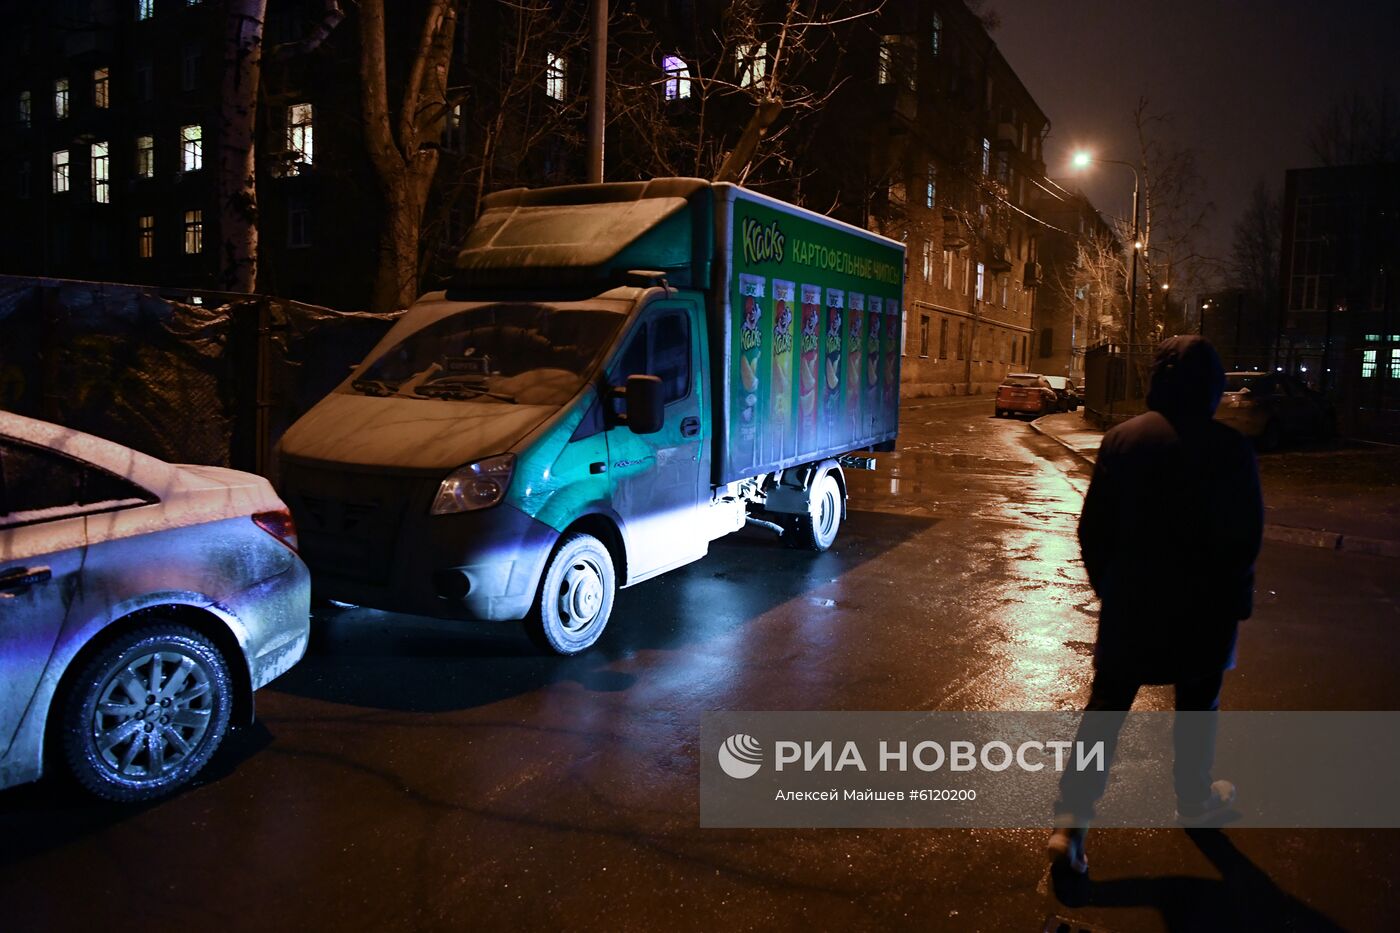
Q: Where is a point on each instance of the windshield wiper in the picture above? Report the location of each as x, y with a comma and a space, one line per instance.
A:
459, 392
376, 387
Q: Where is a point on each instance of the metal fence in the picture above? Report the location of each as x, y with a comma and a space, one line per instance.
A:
214, 379
1115, 382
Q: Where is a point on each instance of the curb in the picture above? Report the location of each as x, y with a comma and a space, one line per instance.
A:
1063, 443
1286, 534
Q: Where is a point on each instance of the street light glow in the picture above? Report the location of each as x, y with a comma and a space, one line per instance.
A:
1081, 160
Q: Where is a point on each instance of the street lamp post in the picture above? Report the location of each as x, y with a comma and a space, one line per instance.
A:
1083, 160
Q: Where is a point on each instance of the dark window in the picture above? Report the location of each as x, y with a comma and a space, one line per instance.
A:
943, 339
923, 335
962, 338
34, 481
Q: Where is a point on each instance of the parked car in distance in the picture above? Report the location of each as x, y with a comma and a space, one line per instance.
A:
1025, 393
141, 604
1274, 407
1066, 392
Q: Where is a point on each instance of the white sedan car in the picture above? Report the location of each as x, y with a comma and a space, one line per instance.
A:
141, 604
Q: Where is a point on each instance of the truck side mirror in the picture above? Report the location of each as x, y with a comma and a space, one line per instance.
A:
645, 401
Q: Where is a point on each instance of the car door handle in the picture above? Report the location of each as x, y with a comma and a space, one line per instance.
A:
690, 426
19, 577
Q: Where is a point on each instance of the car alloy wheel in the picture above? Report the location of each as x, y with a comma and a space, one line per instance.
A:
147, 713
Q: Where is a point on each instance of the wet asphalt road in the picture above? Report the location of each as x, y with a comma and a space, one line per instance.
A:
409, 775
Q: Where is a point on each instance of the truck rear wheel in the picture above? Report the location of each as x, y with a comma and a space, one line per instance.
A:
575, 598
817, 530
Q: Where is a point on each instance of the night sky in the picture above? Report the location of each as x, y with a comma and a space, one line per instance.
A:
1246, 80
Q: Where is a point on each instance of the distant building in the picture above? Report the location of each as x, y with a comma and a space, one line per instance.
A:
1083, 295
1239, 326
1340, 274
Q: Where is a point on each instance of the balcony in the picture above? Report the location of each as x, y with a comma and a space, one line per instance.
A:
1032, 276
998, 257
955, 232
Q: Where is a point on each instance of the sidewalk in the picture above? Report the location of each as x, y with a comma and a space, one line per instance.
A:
1337, 497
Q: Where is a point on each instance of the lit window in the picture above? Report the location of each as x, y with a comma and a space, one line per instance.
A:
300, 135
60, 98
981, 280
298, 225
146, 236
100, 96
145, 156
145, 9
751, 63
555, 70
194, 232
1368, 364
1005, 286
928, 260
101, 184
26, 109
948, 269
930, 185
191, 148
1395, 364
885, 68
986, 156
677, 74
453, 137
936, 34
60, 171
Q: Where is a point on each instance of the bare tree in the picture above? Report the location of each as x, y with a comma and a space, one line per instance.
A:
1097, 283
1174, 212
238, 195
403, 147
1360, 127
1254, 260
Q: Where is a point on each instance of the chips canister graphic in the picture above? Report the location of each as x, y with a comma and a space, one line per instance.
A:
892, 322
875, 322
752, 291
809, 364
855, 348
781, 427
832, 408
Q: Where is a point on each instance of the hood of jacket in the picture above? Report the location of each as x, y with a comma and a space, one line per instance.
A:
1187, 378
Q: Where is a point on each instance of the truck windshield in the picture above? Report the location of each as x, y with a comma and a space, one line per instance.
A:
530, 354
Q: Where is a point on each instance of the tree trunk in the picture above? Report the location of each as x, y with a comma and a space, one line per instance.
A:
404, 166
238, 193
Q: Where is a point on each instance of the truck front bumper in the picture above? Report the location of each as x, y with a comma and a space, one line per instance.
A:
370, 540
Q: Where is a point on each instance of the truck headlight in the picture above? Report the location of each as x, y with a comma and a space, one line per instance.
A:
477, 485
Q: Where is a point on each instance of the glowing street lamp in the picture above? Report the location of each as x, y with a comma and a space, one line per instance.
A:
1082, 160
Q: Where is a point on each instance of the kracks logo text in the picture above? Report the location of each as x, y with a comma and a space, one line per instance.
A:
741, 756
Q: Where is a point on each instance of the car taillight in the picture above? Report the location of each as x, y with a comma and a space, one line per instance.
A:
279, 524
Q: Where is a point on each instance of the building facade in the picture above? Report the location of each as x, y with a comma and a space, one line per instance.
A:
923, 132
1339, 276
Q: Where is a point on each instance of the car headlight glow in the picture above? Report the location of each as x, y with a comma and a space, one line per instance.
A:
478, 485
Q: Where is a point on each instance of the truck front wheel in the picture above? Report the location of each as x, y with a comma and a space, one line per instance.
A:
575, 598
816, 531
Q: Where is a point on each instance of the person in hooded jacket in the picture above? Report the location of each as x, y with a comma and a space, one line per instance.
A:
1170, 531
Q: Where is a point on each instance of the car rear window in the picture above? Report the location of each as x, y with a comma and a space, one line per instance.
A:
1023, 381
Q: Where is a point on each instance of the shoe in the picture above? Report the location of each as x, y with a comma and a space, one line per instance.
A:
1066, 847
1221, 799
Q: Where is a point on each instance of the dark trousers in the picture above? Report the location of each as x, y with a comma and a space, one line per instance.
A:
1193, 741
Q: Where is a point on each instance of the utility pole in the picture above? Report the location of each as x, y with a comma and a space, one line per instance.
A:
597, 90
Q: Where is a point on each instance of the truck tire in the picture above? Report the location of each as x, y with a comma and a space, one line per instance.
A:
575, 597
817, 530
127, 747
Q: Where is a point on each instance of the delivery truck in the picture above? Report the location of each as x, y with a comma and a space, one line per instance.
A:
617, 375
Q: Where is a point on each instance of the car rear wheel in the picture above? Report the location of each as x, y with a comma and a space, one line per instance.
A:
146, 713
575, 598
